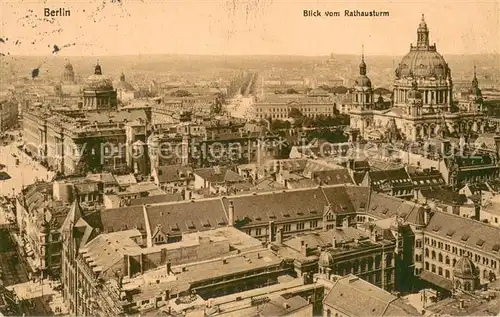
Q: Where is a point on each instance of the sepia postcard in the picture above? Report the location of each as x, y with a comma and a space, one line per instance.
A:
254, 158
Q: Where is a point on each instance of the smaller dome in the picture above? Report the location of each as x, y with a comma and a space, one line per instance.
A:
98, 82
325, 259
68, 67
465, 268
363, 81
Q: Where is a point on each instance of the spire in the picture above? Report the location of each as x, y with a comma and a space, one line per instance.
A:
122, 77
362, 65
97, 69
475, 82
422, 34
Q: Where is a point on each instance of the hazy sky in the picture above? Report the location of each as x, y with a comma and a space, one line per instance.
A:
245, 27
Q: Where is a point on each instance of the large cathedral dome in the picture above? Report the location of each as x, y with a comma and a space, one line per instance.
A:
98, 81
423, 60
423, 64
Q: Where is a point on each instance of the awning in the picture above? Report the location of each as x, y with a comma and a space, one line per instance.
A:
437, 280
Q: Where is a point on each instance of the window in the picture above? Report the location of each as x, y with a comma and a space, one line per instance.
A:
313, 224
440, 257
287, 228
426, 252
447, 260
447, 273
440, 270
258, 231
418, 243
433, 268
427, 266
300, 226
433, 255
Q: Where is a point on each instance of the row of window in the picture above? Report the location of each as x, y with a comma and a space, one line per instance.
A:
313, 224
455, 250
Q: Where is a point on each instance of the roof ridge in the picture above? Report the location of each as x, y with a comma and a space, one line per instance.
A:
387, 306
466, 220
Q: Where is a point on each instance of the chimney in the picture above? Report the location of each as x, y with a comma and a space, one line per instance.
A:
169, 268
286, 306
462, 304
373, 233
231, 213
497, 144
477, 210
304, 249
427, 214
345, 223
271, 231
279, 236
334, 242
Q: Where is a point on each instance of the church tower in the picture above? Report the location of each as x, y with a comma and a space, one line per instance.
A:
362, 100
475, 95
414, 109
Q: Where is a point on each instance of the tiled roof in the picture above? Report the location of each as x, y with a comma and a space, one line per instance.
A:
332, 177
106, 178
466, 232
126, 179
324, 238
157, 199
117, 116
359, 196
385, 206
172, 173
283, 307
108, 249
278, 206
118, 219
357, 297
394, 176
447, 196
191, 216
340, 199
218, 175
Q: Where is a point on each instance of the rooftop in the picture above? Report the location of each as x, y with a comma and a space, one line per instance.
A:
357, 297
465, 232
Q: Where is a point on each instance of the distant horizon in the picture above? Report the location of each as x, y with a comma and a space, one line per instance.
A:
236, 55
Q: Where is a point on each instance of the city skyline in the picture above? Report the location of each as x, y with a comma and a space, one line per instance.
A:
247, 28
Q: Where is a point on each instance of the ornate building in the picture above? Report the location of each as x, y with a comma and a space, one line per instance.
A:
68, 75
423, 106
98, 92
125, 91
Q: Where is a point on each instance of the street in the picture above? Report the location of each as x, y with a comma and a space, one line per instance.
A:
240, 107
24, 174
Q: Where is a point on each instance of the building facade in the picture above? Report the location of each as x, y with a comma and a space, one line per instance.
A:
9, 113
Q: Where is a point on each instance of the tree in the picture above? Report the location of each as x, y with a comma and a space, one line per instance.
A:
181, 93
295, 113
